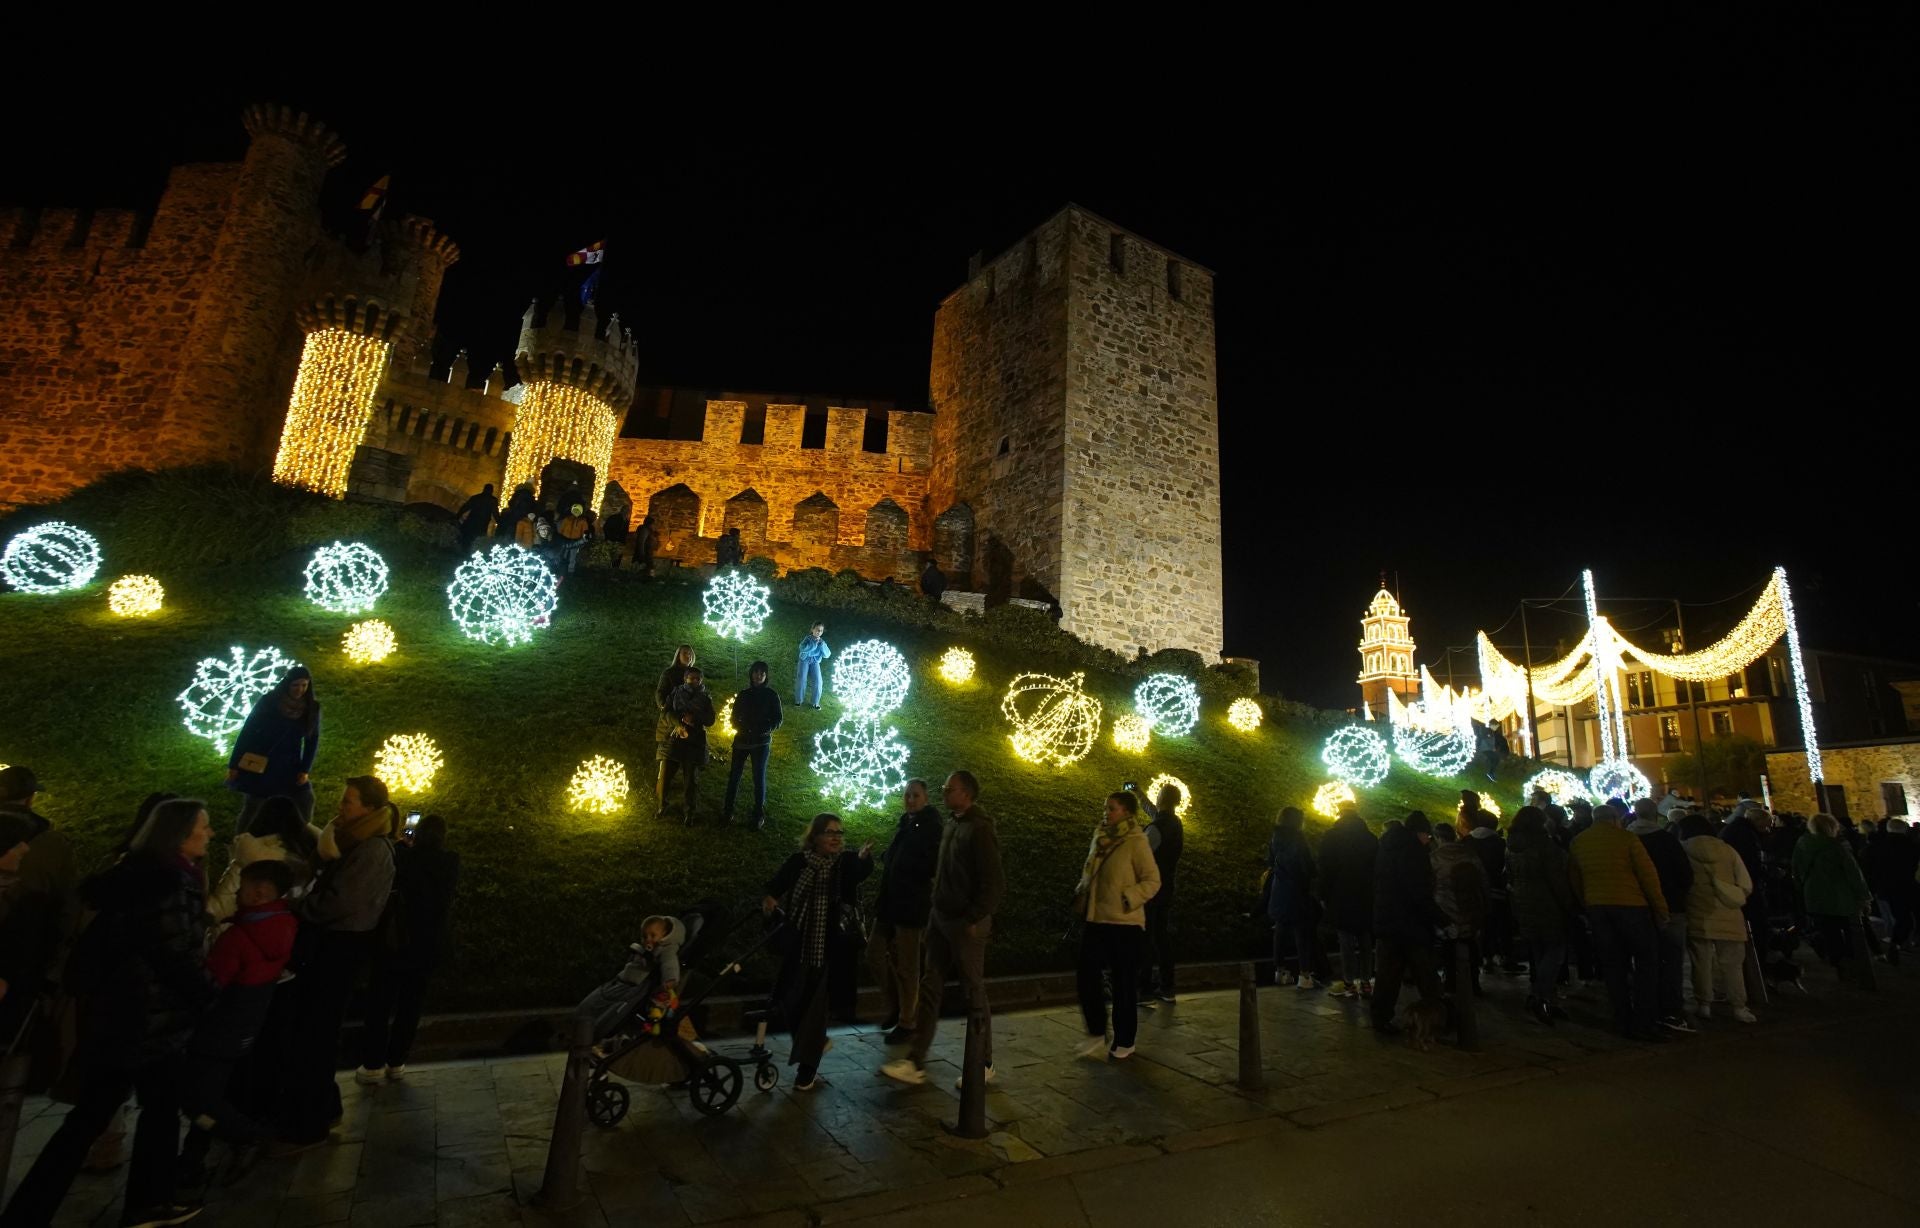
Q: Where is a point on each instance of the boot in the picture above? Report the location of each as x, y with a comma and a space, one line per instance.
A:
660, 789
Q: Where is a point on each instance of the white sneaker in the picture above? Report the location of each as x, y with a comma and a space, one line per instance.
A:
1744, 1015
988, 1075
1122, 1053
1093, 1047
1305, 982
902, 1070
369, 1075
397, 1072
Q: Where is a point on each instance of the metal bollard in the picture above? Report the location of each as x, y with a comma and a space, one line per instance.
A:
1466, 1024
1252, 1074
973, 1080
560, 1185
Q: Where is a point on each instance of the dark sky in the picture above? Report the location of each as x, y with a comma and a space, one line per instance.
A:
1668, 339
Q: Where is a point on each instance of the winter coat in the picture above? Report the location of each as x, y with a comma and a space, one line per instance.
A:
694, 702
906, 878
1708, 914
289, 745
1831, 884
425, 879
1670, 862
137, 968
1403, 905
756, 714
476, 514
1893, 859
671, 680
349, 895
933, 581
1745, 839
1542, 897
1290, 872
1460, 883
247, 849
1347, 855
254, 950
843, 957
1610, 867
1125, 881
1167, 837
812, 649
1490, 847
969, 881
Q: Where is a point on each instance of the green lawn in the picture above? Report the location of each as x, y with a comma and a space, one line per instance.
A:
550, 898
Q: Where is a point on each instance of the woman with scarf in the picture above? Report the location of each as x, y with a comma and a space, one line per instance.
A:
1116, 881
273, 754
820, 885
666, 728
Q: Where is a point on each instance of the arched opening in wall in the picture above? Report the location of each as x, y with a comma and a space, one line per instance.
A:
566, 482
753, 425
813, 428
873, 436
1006, 445
674, 514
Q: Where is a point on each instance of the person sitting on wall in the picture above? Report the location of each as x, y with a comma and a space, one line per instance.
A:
576, 530
476, 517
643, 545
727, 551
614, 529
933, 581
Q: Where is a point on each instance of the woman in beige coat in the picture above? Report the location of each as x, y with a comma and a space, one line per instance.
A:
1716, 926
1116, 882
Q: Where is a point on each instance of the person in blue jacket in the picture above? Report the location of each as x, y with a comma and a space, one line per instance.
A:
813, 650
273, 755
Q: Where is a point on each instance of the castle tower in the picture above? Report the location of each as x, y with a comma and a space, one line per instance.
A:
1386, 653
239, 348
576, 386
362, 305
1075, 413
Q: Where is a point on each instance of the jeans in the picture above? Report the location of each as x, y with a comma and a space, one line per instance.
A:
950, 946
250, 805
393, 1013
1397, 959
570, 552
893, 954
1724, 958
1549, 956
156, 1141
1356, 957
1672, 957
1156, 953
310, 1099
1294, 948
1628, 945
1114, 949
759, 755
806, 675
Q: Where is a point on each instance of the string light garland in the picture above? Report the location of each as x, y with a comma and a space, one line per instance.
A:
224, 690
1169, 703
1356, 755
1054, 721
1244, 714
860, 766
1131, 734
599, 786
369, 642
1816, 772
1618, 778
332, 403
136, 596
408, 762
1162, 781
1329, 797
735, 605
1561, 785
557, 421
956, 665
346, 579
50, 558
871, 679
502, 596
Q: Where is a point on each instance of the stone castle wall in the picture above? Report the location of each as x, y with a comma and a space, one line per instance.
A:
1860, 770
440, 438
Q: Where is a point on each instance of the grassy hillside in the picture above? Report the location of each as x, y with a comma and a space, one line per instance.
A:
549, 898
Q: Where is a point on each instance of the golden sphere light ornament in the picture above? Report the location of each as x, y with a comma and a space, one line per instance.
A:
136, 596
1162, 781
1131, 734
1329, 797
369, 642
346, 579
1356, 755
224, 690
408, 762
956, 665
1169, 703
1244, 714
599, 786
1053, 720
50, 558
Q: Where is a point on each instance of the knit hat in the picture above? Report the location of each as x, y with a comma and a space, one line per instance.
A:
1418, 824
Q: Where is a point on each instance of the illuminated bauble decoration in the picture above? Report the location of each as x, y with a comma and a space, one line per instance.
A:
502, 596
871, 679
723, 721
1169, 703
346, 579
1562, 786
136, 596
1618, 778
599, 786
736, 605
224, 690
956, 665
1162, 781
407, 762
368, 642
1488, 804
858, 764
50, 558
1328, 798
1244, 714
1436, 752
1131, 734
1356, 755
1053, 720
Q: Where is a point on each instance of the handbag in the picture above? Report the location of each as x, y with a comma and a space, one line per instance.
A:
253, 763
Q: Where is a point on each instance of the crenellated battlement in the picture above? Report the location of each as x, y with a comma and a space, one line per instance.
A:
566, 346
265, 119
386, 290
50, 233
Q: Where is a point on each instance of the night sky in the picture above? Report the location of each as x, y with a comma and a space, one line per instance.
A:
1668, 342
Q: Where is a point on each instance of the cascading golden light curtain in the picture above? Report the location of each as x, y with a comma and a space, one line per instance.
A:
560, 422
327, 417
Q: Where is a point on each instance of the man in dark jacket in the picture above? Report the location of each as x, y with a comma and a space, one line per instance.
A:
1347, 856
1748, 833
1405, 918
756, 714
900, 911
643, 544
692, 707
933, 581
1893, 860
1167, 838
476, 516
1483, 839
1675, 869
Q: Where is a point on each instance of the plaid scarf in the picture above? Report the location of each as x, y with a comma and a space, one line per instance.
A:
1105, 840
809, 904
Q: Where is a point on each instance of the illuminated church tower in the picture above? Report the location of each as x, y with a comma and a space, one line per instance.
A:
1386, 653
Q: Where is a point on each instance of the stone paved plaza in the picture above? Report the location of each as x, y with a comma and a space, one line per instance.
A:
465, 1143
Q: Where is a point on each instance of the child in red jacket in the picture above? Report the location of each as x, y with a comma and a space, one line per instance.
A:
245, 962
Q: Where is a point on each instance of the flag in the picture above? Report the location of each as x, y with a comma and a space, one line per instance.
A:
592, 253
589, 286
376, 195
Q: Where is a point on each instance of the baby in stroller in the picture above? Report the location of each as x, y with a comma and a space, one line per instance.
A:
652, 976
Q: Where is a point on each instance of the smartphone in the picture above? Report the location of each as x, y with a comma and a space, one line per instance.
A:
413, 821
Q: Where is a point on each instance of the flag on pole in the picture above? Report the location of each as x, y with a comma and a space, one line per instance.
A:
376, 195
589, 287
592, 253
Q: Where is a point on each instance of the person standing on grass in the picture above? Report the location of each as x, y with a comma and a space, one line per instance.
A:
806, 677
668, 722
1167, 837
1116, 881
900, 910
684, 744
1347, 854
274, 751
756, 714
425, 873
820, 886
968, 885
476, 517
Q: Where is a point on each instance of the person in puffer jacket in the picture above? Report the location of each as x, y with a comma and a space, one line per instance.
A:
1716, 919
277, 833
1116, 881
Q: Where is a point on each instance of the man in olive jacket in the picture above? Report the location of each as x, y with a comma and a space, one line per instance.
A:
968, 886
900, 911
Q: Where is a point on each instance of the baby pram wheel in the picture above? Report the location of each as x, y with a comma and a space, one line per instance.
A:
715, 1085
606, 1103
766, 1076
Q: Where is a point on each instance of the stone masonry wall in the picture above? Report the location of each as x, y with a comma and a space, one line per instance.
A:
456, 437
1860, 770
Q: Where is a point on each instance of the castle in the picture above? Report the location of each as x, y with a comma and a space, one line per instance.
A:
1071, 455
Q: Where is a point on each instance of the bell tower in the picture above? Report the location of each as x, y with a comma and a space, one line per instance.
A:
1386, 652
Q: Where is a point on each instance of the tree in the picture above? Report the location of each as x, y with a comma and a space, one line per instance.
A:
1734, 763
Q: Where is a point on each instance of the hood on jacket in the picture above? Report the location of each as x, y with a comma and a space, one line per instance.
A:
1641, 827
1483, 832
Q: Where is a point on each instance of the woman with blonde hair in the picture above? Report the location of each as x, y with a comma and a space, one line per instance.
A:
1117, 879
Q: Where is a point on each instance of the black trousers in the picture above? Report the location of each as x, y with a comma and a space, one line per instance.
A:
1156, 953
156, 1143
1115, 950
394, 998
1397, 960
309, 1097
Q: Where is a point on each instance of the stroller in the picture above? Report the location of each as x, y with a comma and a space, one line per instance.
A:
664, 1049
